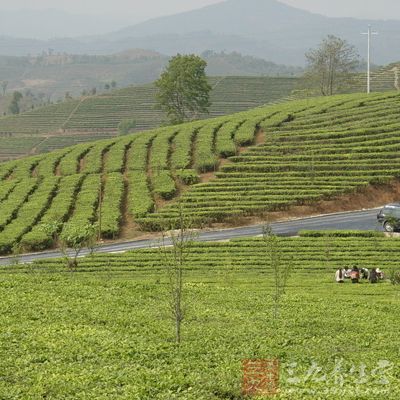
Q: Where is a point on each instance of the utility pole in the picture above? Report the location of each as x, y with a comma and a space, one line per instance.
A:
369, 34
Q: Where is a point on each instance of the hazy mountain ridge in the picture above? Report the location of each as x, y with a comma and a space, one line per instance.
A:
266, 29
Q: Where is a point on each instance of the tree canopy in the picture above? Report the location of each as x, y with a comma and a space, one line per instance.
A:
126, 126
183, 89
331, 66
14, 108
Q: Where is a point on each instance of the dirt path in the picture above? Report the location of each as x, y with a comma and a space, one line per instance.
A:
129, 228
63, 126
34, 149
218, 82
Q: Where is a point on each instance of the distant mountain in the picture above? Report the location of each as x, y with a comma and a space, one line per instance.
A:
47, 24
265, 29
247, 18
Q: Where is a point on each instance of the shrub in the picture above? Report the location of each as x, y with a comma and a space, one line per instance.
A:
394, 277
367, 234
126, 126
188, 176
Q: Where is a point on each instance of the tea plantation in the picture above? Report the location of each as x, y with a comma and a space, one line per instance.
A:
313, 149
97, 117
279, 156
105, 332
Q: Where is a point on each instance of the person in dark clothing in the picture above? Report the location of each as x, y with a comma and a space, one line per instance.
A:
373, 276
364, 273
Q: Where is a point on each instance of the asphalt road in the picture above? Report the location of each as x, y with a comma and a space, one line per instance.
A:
359, 220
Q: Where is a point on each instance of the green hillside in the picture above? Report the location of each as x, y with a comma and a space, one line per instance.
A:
298, 153
91, 118
105, 332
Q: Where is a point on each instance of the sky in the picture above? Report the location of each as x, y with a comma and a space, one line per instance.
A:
138, 10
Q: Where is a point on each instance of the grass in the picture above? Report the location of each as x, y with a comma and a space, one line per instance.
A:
104, 331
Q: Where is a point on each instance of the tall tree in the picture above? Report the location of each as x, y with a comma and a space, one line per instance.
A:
14, 107
72, 240
331, 66
175, 249
183, 89
280, 268
4, 85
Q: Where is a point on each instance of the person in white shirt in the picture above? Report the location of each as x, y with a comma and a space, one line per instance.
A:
340, 275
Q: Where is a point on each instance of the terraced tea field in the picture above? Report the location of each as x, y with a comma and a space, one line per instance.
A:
383, 79
97, 117
105, 331
326, 148
279, 156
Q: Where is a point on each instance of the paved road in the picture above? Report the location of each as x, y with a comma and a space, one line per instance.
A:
359, 220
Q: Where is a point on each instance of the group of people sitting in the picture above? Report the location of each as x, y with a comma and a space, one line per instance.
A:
355, 274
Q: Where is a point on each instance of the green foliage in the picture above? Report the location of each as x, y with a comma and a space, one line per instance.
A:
320, 135
6, 188
116, 156
161, 179
181, 157
245, 134
48, 164
92, 163
98, 117
163, 184
9, 207
205, 158
188, 176
366, 234
44, 234
70, 164
280, 269
394, 276
28, 214
331, 66
77, 237
107, 324
184, 92
112, 205
86, 204
138, 155
140, 201
14, 107
313, 150
225, 145
127, 126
